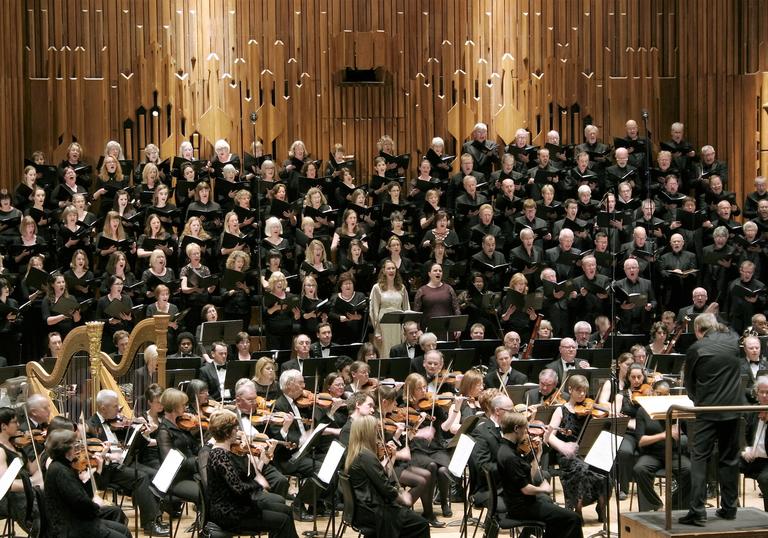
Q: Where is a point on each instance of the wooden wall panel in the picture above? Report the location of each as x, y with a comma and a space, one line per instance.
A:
82, 69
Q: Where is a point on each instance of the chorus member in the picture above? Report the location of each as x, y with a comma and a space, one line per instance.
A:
79, 276
206, 209
61, 323
279, 314
436, 298
70, 236
158, 273
195, 294
349, 230
347, 308
389, 294
514, 319
237, 301
154, 237
114, 231
27, 243
123, 322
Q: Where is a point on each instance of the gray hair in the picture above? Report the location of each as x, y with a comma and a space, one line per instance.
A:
104, 397
289, 376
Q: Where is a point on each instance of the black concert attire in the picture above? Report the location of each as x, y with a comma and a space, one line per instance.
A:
70, 510
170, 436
712, 376
375, 506
514, 471
238, 504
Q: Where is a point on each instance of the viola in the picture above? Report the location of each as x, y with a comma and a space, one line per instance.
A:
24, 439
83, 459
409, 415
643, 390
589, 407
441, 400
190, 422
554, 399
450, 377
325, 400
119, 422
307, 399
277, 418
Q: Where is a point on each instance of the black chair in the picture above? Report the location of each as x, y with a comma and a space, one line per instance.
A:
348, 514
501, 521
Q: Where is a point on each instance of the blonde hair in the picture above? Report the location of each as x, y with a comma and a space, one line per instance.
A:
361, 437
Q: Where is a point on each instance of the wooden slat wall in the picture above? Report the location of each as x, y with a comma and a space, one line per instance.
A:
95, 69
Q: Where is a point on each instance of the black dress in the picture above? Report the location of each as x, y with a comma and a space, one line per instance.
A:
70, 510
375, 507
580, 482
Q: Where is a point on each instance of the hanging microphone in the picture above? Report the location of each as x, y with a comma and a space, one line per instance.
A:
253, 117
644, 114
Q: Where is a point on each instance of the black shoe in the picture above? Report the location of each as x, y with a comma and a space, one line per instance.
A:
301, 515
157, 529
435, 523
693, 519
457, 493
447, 512
722, 513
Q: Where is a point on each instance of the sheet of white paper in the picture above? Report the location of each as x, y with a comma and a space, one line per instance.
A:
131, 438
6, 481
317, 431
168, 470
461, 455
656, 406
603, 451
331, 462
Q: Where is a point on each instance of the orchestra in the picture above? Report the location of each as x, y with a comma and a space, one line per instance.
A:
511, 262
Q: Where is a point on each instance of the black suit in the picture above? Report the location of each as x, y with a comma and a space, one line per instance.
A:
135, 480
292, 364
208, 373
557, 366
316, 350
401, 350
713, 377
757, 468
487, 438
638, 319
493, 380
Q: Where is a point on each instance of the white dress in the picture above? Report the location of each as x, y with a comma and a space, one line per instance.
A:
381, 303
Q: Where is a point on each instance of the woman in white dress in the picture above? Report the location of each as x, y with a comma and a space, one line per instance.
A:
389, 294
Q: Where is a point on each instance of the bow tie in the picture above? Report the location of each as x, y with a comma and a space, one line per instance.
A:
570, 365
325, 347
221, 367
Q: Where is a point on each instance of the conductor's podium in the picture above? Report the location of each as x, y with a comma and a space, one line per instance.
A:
749, 522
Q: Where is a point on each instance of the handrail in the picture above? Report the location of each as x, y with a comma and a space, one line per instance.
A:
668, 447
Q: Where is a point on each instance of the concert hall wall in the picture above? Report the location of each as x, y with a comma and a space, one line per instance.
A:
163, 71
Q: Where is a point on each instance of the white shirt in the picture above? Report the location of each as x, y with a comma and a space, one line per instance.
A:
297, 415
760, 440
111, 437
222, 375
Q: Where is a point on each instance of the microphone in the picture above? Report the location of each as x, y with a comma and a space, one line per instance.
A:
644, 114
253, 117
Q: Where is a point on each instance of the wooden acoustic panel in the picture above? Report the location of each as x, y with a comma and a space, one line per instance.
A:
95, 70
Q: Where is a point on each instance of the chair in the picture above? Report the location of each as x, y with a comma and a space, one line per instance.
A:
660, 475
493, 518
348, 514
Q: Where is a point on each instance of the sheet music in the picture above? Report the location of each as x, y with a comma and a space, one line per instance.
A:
331, 462
657, 406
603, 451
6, 481
168, 469
461, 455
308, 441
131, 438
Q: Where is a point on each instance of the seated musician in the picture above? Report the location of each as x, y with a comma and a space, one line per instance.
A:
71, 509
171, 436
295, 428
544, 393
581, 485
135, 479
432, 432
504, 375
377, 501
525, 492
754, 458
567, 360
651, 440
484, 454
14, 504
236, 502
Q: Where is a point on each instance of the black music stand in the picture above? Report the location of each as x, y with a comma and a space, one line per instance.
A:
237, 370
183, 363
531, 367
220, 331
620, 343
546, 349
317, 368
595, 376
668, 364
467, 426
309, 447
517, 392
444, 326
177, 376
398, 317
616, 425
599, 358
485, 348
460, 359
396, 368
544, 413
349, 350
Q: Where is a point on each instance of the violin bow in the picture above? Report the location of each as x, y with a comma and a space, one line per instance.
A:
84, 440
32, 438
314, 405
199, 420
407, 425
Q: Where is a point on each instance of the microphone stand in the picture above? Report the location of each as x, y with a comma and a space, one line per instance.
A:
253, 116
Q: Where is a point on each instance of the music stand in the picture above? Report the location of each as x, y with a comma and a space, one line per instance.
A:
9, 372
596, 425
620, 343
309, 447
484, 348
668, 364
599, 358
595, 376
326, 476
183, 363
348, 350
461, 359
281, 356
165, 476
544, 413
517, 392
546, 349
398, 317
457, 467
317, 368
530, 367
445, 325
174, 377
237, 370
397, 368
224, 331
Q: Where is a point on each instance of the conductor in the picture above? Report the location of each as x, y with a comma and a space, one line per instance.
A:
712, 377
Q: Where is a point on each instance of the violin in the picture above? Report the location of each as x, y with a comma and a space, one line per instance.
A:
451, 377
325, 400
538, 428
385, 451
444, 400
120, 422
553, 399
190, 422
24, 439
589, 408
369, 386
408, 415
84, 459
277, 418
